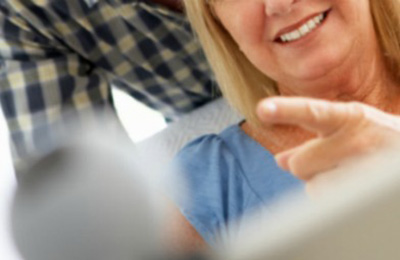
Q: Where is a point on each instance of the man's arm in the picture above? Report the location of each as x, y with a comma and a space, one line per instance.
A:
42, 82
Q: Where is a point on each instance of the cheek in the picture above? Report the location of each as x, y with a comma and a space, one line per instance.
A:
244, 21
356, 14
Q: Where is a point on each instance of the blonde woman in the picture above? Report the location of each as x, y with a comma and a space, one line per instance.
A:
314, 56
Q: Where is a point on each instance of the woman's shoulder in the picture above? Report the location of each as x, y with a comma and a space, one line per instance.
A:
214, 183
229, 152
207, 162
207, 146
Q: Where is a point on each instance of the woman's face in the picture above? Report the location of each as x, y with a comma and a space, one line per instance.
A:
300, 42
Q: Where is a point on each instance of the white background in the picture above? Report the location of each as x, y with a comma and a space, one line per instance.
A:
139, 121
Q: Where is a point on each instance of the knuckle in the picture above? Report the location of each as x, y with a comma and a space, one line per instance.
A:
319, 111
353, 114
356, 111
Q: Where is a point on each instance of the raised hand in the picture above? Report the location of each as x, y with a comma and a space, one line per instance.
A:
344, 131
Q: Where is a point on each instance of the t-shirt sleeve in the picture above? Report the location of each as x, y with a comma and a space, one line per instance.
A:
215, 190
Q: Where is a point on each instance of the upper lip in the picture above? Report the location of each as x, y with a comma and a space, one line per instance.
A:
295, 26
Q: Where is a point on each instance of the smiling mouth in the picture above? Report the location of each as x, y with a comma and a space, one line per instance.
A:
305, 28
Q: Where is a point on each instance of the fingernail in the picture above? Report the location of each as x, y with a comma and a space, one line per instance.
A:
268, 108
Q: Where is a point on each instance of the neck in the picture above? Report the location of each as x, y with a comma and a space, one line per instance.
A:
277, 138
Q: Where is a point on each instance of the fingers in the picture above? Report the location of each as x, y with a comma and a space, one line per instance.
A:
345, 130
318, 116
309, 159
283, 158
322, 154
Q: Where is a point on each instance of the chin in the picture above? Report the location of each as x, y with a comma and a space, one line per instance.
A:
319, 79
321, 66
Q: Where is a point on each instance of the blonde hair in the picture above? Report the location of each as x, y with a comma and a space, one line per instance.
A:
242, 84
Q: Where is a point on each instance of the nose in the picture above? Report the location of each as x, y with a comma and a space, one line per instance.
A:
278, 7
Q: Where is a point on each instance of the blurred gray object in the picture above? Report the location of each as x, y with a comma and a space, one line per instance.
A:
87, 200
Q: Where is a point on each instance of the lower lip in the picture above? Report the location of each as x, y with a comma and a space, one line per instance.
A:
309, 35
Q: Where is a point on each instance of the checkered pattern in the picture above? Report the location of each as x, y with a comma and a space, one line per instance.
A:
63, 55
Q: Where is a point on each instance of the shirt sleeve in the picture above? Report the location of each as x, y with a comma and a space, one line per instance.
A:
215, 193
41, 79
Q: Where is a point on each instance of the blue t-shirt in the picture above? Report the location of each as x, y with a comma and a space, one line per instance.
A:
227, 176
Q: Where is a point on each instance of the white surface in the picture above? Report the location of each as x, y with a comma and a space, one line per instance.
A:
7, 184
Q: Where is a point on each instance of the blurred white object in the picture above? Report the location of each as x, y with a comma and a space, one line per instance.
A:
358, 217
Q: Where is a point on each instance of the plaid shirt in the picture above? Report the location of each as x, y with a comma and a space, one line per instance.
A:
59, 55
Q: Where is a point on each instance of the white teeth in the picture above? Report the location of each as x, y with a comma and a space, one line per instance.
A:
295, 35
303, 30
311, 24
